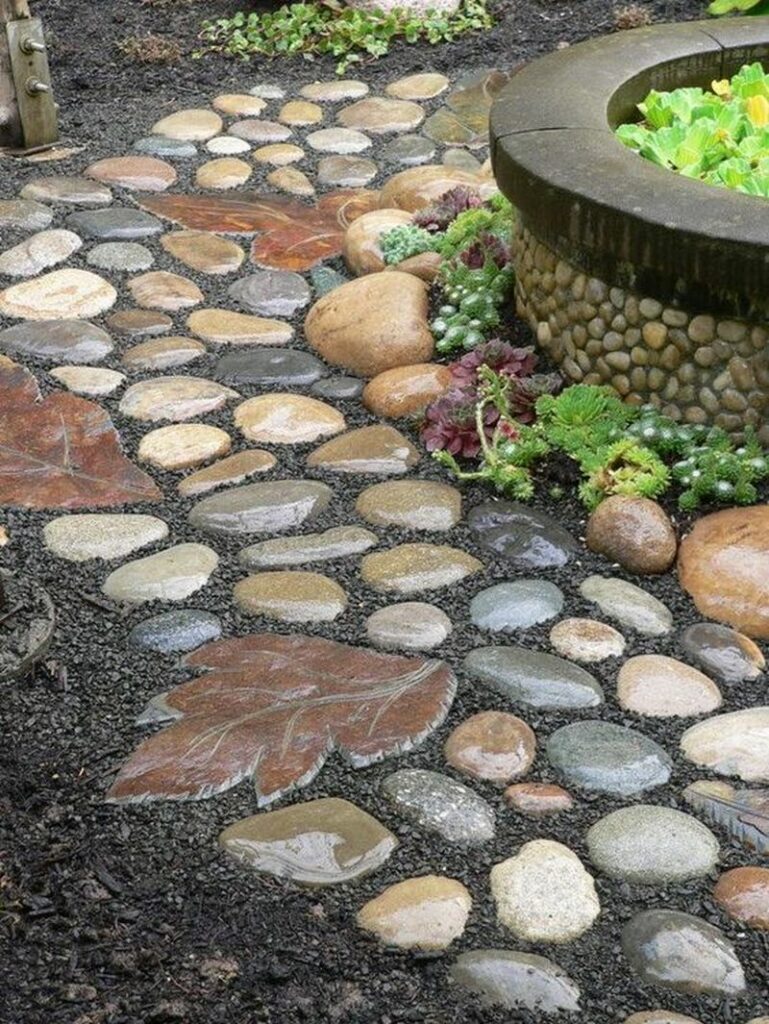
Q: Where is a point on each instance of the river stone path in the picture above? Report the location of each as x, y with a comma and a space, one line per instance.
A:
218, 474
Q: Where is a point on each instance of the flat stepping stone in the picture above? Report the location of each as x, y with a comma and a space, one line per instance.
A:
61, 188
174, 398
650, 845
119, 223
75, 341
231, 470
62, 295
192, 125
291, 180
608, 758
409, 626
681, 953
406, 390
239, 104
161, 290
125, 256
516, 981
381, 116
204, 251
332, 92
170, 575
291, 596
278, 154
138, 323
425, 914
586, 640
520, 604
423, 86
223, 173
338, 542
227, 145
285, 418
492, 746
408, 151
183, 445
538, 799
259, 130
267, 91
88, 380
158, 145
722, 652
300, 112
272, 507
163, 353
627, 604
24, 214
338, 387
37, 253
743, 813
343, 141
411, 568
743, 894
346, 171
525, 537
225, 327
80, 538
322, 842
269, 367
440, 804
661, 687
534, 678
176, 632
462, 159
136, 173
736, 743
379, 449
544, 894
271, 293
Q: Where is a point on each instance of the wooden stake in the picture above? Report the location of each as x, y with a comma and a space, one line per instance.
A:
27, 112
10, 122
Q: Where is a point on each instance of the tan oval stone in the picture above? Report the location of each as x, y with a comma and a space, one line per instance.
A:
586, 640
660, 1017
232, 470
292, 180
281, 418
137, 322
425, 266
183, 445
360, 246
377, 449
492, 745
418, 187
225, 327
236, 104
69, 294
138, 173
411, 505
538, 799
372, 324
380, 116
424, 86
37, 253
170, 575
426, 913
174, 398
332, 92
80, 538
290, 596
724, 564
408, 626
743, 893
410, 568
300, 112
204, 251
88, 380
634, 532
406, 390
652, 684
194, 125
163, 353
159, 289
736, 743
223, 173
279, 154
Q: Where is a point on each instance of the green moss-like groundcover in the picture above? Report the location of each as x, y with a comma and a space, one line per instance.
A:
720, 137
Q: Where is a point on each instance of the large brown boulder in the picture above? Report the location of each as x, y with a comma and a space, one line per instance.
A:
372, 324
360, 245
420, 186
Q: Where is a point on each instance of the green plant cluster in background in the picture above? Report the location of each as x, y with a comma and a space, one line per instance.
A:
329, 27
722, 7
719, 137
616, 448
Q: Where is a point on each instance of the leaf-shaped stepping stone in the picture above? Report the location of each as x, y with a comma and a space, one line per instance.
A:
61, 451
744, 813
273, 708
292, 235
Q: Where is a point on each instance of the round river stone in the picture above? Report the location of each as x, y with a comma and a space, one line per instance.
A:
409, 626
492, 745
517, 981
410, 568
634, 532
425, 913
586, 640
439, 804
261, 508
736, 743
652, 684
291, 596
744, 894
528, 539
174, 632
521, 604
534, 678
608, 758
722, 652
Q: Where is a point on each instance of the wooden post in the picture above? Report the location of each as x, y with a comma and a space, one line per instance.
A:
27, 110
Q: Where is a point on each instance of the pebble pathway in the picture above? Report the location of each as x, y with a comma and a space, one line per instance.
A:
218, 288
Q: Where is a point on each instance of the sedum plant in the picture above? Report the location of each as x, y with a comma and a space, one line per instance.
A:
721, 7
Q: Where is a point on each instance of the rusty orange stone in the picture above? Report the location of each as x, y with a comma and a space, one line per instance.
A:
492, 745
538, 799
743, 893
406, 390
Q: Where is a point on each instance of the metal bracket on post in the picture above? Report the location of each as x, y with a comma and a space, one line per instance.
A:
32, 81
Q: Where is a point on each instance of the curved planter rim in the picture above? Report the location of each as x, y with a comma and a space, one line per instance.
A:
602, 206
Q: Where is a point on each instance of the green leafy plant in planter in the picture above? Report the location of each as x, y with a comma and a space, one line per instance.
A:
330, 27
719, 8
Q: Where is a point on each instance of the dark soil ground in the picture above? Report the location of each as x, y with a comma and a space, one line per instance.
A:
125, 916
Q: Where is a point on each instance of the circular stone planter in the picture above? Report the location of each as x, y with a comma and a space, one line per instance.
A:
630, 274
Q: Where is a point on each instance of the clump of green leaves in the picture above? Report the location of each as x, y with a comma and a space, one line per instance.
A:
328, 26
721, 7
406, 240
720, 137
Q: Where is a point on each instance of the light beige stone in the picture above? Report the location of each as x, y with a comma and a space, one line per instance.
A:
360, 246
163, 353
300, 112
377, 449
183, 445
194, 125
223, 326
418, 187
423, 86
38, 252
426, 913
174, 398
410, 505
586, 640
292, 180
662, 687
380, 115
107, 535
291, 596
159, 289
239, 104
232, 470
223, 173
204, 251
170, 575
69, 294
282, 418
88, 380
279, 154
406, 390
736, 743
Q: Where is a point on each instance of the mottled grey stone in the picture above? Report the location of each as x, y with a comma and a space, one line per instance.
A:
261, 508
71, 341
267, 91
178, 631
516, 605
118, 223
338, 387
158, 145
325, 279
346, 171
528, 539
533, 677
408, 150
269, 366
680, 952
338, 542
271, 292
629, 605
127, 256
608, 758
24, 214
722, 652
439, 804
517, 981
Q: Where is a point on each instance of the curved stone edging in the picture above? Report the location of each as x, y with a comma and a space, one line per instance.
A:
599, 205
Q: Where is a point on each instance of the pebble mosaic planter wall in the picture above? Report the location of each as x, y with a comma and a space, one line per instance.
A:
630, 274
